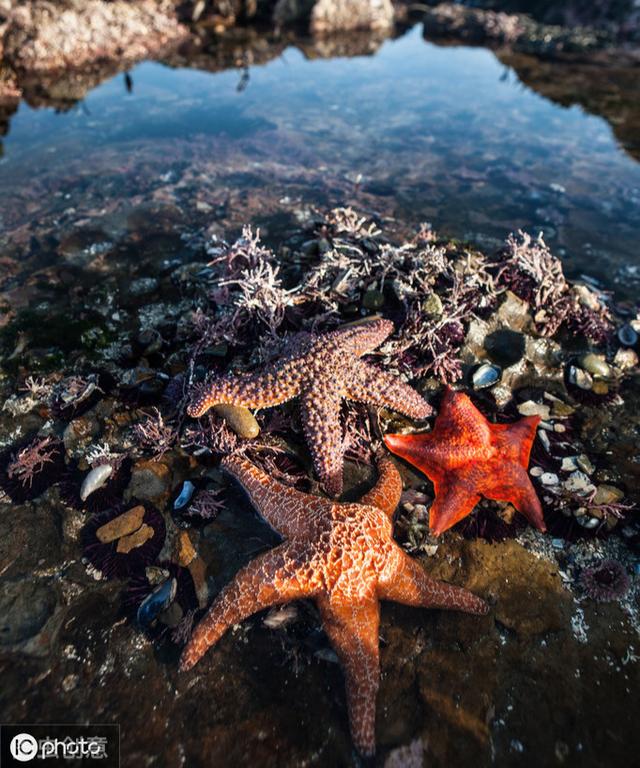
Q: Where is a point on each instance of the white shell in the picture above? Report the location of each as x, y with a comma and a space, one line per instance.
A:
94, 480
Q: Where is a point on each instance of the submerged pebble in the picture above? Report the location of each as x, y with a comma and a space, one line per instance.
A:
596, 365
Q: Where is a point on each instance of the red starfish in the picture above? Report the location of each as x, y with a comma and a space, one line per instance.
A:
466, 457
343, 556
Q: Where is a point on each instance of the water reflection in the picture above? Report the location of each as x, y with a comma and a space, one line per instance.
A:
417, 132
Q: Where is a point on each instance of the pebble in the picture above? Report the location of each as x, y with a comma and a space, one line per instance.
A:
150, 480
569, 464
95, 480
585, 464
588, 522
281, 616
596, 365
120, 526
486, 375
625, 359
607, 494
143, 286
530, 408
432, 305
580, 378
578, 482
239, 419
549, 478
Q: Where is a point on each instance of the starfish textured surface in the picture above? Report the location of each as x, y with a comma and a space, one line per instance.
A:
342, 555
320, 370
467, 457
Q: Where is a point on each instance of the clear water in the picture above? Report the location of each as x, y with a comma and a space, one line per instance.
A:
415, 132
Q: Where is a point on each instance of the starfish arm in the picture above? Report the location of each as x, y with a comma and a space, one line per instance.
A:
386, 493
369, 384
522, 434
252, 391
407, 583
455, 498
268, 580
288, 511
353, 633
517, 488
320, 413
362, 338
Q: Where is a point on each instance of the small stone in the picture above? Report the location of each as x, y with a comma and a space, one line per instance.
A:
625, 359
580, 378
486, 375
536, 471
123, 525
373, 299
530, 408
607, 494
596, 365
239, 419
184, 551
505, 347
150, 480
579, 483
600, 387
549, 478
569, 464
135, 540
584, 462
588, 522
544, 439
432, 305
559, 428
561, 409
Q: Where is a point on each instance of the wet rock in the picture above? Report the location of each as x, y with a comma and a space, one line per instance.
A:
530, 408
143, 286
579, 483
239, 419
607, 494
345, 15
625, 359
40, 37
580, 378
79, 433
25, 607
596, 365
150, 481
505, 346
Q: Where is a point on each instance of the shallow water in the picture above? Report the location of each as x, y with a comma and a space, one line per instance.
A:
417, 132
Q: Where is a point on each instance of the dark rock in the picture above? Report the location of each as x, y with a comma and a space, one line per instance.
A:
25, 606
505, 347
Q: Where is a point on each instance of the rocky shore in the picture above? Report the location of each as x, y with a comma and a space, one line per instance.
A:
120, 527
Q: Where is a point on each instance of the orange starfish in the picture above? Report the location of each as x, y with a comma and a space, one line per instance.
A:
341, 555
467, 457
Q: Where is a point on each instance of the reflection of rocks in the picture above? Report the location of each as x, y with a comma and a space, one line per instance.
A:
343, 15
605, 86
45, 36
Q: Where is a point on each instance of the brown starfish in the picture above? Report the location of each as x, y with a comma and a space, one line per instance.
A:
320, 370
344, 557
467, 457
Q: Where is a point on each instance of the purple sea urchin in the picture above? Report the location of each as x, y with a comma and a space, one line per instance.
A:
605, 581
122, 540
28, 470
